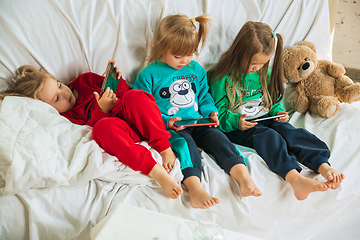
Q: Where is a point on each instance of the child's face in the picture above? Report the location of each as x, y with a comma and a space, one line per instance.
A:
257, 62
176, 61
57, 95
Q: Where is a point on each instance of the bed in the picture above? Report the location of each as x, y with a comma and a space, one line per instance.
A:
56, 183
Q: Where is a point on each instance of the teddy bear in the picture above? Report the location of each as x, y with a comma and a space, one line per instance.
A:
316, 85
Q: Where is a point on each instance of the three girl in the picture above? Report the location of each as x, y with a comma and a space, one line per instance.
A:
244, 88
179, 86
116, 118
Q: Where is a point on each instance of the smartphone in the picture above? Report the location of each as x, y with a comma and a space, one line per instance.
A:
110, 79
195, 122
267, 118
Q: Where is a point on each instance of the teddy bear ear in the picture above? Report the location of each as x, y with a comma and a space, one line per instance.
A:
308, 44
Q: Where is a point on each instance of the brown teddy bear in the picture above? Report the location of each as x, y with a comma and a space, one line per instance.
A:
317, 85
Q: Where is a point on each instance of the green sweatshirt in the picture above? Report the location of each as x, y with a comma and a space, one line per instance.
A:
251, 101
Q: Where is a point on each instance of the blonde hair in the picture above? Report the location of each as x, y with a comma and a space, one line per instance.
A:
178, 34
27, 83
253, 38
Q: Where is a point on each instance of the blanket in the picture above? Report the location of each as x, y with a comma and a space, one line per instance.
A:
67, 154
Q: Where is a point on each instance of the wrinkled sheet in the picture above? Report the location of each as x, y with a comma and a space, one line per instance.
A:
69, 37
42, 149
39, 148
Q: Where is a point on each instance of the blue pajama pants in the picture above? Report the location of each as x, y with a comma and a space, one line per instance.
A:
282, 146
185, 145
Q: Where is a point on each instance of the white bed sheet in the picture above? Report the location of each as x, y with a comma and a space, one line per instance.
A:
41, 149
69, 37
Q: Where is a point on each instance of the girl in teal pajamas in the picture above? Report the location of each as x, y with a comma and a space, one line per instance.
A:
179, 86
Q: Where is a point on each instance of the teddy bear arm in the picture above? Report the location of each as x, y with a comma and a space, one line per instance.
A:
333, 69
342, 82
346, 90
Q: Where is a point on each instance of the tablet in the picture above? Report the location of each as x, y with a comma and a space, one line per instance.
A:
195, 122
110, 79
267, 118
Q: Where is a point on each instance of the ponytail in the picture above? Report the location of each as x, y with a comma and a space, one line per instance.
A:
204, 25
277, 73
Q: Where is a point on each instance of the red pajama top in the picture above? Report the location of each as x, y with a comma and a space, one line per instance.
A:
86, 110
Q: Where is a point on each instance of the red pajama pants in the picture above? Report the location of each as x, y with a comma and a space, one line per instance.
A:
136, 118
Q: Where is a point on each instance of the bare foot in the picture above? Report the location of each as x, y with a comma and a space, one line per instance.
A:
202, 199
199, 198
303, 186
170, 186
247, 186
331, 175
168, 159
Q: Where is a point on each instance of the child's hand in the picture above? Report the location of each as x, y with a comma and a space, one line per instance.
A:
118, 75
172, 126
107, 101
245, 125
282, 119
214, 117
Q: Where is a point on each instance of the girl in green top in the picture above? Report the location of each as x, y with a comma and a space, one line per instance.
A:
244, 89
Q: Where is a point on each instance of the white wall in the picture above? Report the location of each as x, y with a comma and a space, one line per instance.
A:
346, 44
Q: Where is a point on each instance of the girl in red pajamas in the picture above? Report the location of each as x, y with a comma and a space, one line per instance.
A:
119, 120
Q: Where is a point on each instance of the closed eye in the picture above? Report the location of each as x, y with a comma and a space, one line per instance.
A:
57, 97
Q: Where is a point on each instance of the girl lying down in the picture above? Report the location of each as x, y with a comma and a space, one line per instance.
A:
117, 118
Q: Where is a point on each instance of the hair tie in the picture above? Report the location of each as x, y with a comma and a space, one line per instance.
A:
192, 20
273, 34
